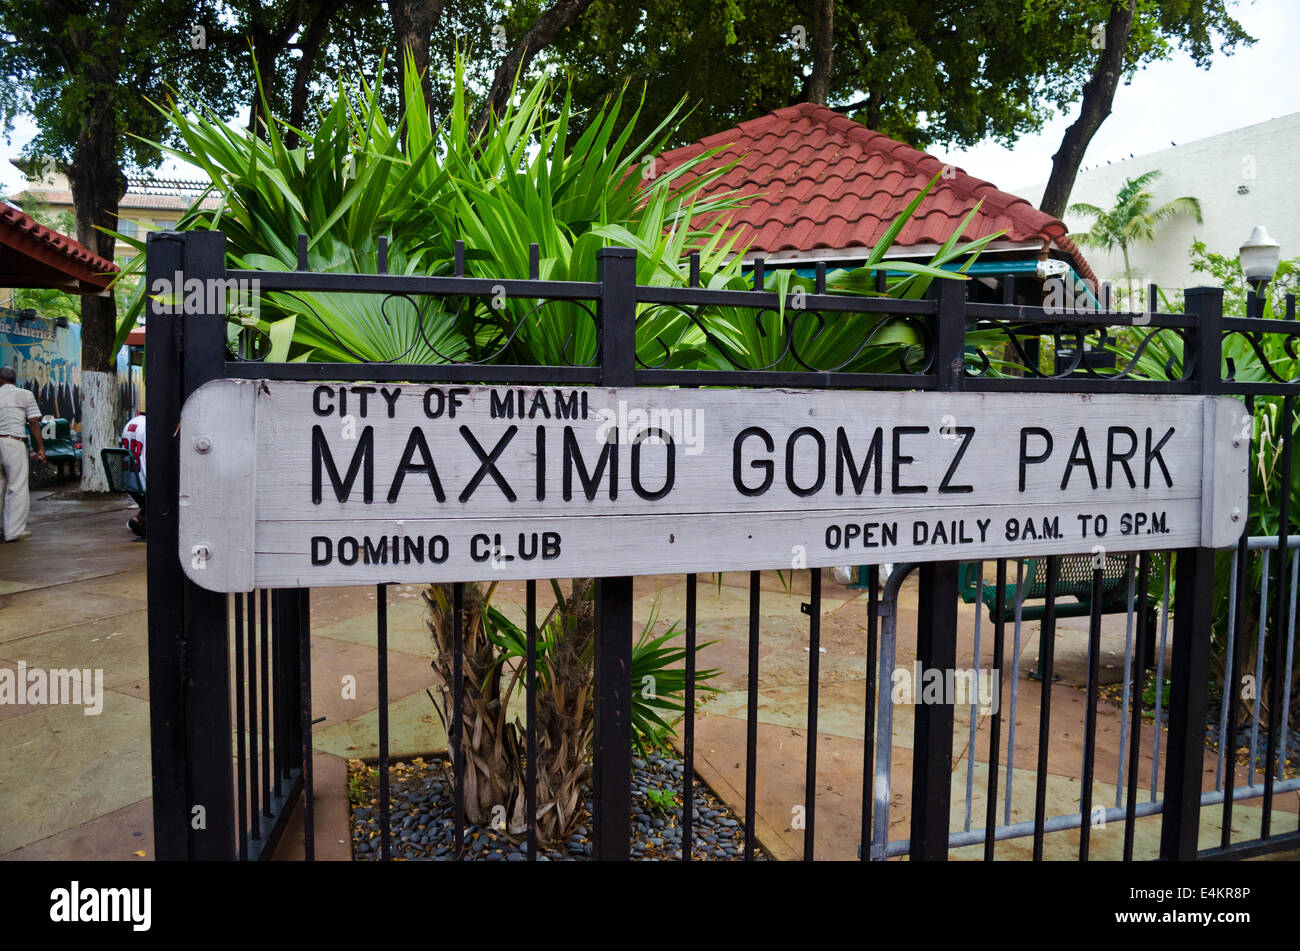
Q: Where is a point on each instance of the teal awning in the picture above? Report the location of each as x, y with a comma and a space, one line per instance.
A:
1000, 268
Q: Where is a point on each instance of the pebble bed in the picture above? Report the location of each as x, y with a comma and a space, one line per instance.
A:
1290, 770
421, 822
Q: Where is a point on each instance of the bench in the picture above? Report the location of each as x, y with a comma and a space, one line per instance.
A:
1074, 580
61, 450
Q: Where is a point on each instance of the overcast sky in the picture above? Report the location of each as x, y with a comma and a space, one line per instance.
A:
1168, 102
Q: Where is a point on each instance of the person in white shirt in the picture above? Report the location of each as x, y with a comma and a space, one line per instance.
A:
18, 411
133, 442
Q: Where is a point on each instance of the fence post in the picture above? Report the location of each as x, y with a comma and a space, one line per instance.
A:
612, 742
203, 333
290, 605
167, 713
189, 663
936, 625
1193, 608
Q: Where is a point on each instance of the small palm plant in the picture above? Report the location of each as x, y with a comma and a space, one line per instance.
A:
494, 667
1132, 220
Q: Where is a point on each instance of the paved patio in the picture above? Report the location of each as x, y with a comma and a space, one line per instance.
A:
77, 786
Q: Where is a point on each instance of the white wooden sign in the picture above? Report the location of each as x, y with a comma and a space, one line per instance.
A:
304, 484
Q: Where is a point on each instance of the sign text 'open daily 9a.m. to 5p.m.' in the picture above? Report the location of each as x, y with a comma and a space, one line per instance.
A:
306, 484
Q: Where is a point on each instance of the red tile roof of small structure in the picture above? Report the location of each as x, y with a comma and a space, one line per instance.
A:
817, 180
32, 255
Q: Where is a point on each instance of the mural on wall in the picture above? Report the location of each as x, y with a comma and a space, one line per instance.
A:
47, 360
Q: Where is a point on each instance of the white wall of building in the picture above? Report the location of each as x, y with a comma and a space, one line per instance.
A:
1264, 158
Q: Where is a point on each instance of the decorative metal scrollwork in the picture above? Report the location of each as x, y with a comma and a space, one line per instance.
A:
1255, 340
503, 328
1070, 345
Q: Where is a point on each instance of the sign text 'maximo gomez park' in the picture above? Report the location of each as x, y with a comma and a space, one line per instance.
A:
305, 484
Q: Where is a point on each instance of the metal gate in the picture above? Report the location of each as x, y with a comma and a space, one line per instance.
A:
227, 774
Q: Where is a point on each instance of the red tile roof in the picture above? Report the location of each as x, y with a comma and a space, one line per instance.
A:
819, 180
32, 255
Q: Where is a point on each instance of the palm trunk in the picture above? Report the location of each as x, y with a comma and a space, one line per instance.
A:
488, 754
1128, 274
494, 747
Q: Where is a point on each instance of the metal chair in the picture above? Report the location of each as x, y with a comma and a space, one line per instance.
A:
122, 472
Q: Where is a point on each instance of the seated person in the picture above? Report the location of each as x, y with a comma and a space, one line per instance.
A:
133, 442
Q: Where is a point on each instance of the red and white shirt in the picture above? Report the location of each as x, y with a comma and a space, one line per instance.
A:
133, 442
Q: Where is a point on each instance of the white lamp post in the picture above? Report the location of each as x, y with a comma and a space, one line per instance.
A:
1259, 258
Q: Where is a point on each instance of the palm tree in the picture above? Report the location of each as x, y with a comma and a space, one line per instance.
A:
1132, 220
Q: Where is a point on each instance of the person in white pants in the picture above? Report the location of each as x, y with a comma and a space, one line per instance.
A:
18, 410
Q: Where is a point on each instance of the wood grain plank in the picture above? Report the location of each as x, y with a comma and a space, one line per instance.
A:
748, 474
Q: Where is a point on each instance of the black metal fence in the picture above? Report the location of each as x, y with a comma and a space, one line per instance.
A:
226, 773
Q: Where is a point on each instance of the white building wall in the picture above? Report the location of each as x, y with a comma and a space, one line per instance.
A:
1264, 158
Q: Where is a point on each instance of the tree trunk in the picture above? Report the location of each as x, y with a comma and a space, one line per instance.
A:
823, 32
264, 55
413, 22
1098, 94
875, 110
309, 46
97, 186
268, 43
536, 38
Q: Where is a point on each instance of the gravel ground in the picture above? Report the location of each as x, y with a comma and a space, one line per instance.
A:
421, 822
1292, 768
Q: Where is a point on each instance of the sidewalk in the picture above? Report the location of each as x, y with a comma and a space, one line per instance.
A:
74, 786
77, 786
73, 595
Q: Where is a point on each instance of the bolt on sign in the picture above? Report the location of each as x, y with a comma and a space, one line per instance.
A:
305, 484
